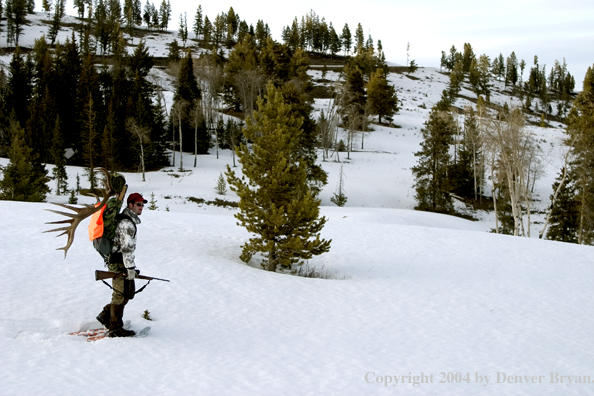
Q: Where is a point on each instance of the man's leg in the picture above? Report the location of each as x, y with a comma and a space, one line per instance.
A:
104, 316
118, 302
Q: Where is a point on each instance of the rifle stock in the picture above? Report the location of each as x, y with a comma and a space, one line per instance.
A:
101, 275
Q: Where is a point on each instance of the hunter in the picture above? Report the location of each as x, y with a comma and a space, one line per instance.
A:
121, 260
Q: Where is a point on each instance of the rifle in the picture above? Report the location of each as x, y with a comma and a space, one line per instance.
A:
101, 275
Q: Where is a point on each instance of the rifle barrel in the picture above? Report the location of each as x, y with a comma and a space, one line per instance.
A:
100, 275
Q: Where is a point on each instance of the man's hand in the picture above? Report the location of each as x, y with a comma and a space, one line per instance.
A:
131, 274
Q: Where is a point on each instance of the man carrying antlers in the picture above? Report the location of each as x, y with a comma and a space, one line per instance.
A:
121, 260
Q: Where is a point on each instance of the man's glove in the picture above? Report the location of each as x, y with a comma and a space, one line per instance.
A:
131, 274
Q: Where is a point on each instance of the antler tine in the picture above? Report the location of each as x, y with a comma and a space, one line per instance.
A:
80, 214
108, 190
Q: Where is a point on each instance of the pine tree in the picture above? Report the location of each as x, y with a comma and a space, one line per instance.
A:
359, 38
232, 21
381, 96
432, 183
183, 27
347, 39
565, 214
511, 71
580, 129
20, 87
221, 187
207, 31
455, 84
59, 12
24, 178
467, 57
339, 198
59, 171
276, 202
164, 14
15, 11
198, 23
186, 93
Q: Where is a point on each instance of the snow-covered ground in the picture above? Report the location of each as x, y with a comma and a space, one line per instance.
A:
419, 303
414, 294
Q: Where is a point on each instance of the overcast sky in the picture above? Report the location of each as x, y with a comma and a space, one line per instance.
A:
550, 29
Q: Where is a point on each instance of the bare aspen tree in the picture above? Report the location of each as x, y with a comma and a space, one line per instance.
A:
158, 83
353, 124
177, 111
513, 152
249, 84
143, 135
472, 137
327, 126
210, 79
197, 114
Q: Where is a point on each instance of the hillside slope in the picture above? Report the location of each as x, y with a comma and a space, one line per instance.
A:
416, 301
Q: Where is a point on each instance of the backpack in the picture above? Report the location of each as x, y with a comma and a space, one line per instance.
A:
104, 222
103, 225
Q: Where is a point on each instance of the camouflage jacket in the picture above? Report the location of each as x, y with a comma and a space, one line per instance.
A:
124, 241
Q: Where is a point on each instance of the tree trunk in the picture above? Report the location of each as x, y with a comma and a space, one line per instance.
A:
181, 158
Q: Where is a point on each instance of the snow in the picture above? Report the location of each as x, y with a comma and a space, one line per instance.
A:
433, 301
410, 295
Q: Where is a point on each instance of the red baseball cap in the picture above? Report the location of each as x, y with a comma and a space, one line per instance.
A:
136, 197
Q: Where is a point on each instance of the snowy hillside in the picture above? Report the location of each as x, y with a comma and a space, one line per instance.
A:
416, 294
418, 303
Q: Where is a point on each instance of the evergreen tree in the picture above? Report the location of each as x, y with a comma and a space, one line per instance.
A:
59, 11
186, 93
64, 86
355, 99
381, 96
580, 129
20, 87
455, 84
232, 21
276, 202
16, 12
219, 30
59, 171
347, 39
88, 88
183, 27
511, 71
24, 178
467, 57
198, 23
565, 213
451, 58
339, 198
432, 183
359, 38
164, 14
221, 187
335, 44
137, 12
102, 29
129, 17
207, 31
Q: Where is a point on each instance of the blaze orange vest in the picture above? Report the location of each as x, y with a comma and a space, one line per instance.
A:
96, 224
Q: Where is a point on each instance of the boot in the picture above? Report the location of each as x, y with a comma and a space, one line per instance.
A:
121, 332
116, 323
104, 316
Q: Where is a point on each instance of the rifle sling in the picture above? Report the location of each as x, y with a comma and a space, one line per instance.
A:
135, 293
